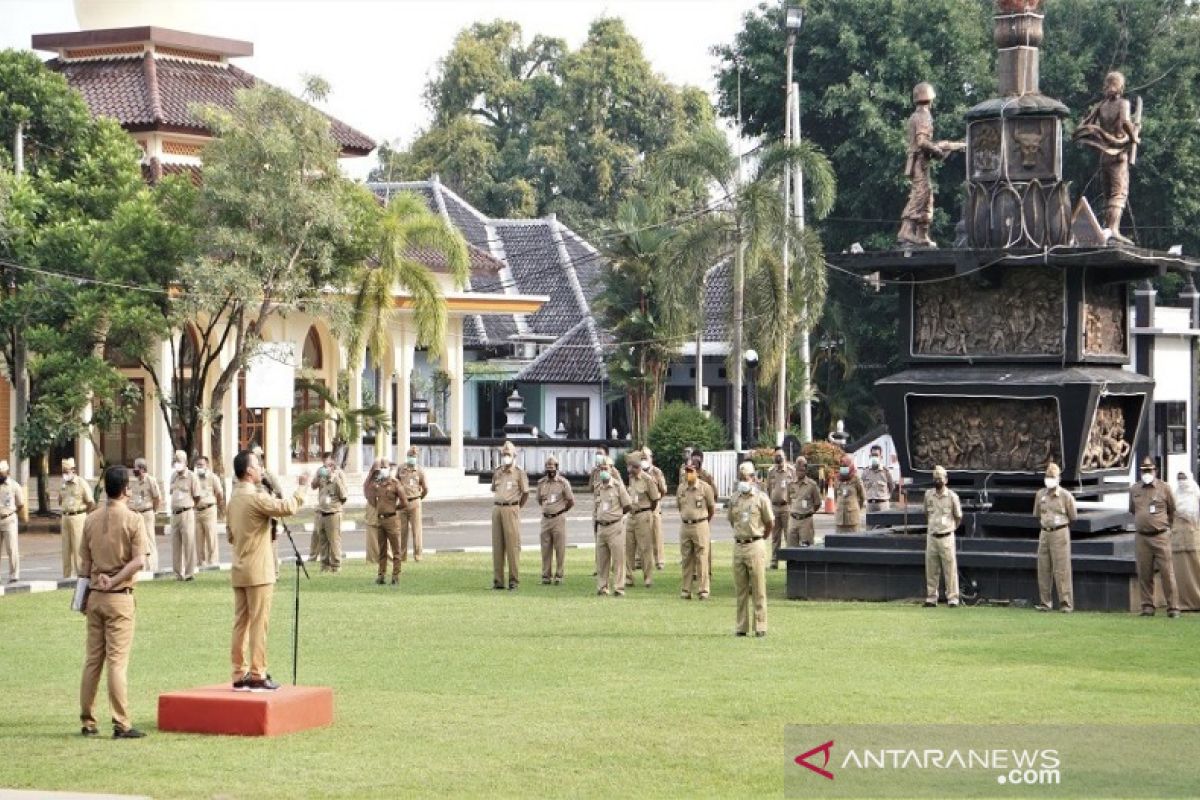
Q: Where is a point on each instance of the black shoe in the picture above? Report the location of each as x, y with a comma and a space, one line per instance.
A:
545, 581
89, 731
242, 684
1147, 612
262, 685
395, 580
1173, 613
739, 633
930, 604
774, 565
379, 580
760, 634
557, 581
127, 733
512, 587
188, 578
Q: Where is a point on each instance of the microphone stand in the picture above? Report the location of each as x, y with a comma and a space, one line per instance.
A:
299, 559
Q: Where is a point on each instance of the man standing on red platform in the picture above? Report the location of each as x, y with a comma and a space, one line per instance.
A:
253, 575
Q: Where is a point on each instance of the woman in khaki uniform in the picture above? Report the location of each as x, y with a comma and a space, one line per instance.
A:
850, 496
1185, 542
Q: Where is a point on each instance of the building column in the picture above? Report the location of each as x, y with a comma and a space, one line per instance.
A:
354, 459
229, 428
405, 348
161, 465
454, 366
1143, 317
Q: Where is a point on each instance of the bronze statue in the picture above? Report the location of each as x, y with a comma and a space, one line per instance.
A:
1115, 132
922, 149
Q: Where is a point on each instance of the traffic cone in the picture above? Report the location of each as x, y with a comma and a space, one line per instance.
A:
829, 506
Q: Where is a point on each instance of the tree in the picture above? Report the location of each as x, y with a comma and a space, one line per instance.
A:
524, 129
749, 225
680, 425
349, 422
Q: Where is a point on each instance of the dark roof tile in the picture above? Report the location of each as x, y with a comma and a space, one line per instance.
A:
575, 358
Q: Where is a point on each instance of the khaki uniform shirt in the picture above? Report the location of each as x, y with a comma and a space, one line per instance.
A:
804, 497
1153, 507
697, 501
388, 497
12, 500
703, 475
332, 492
112, 537
185, 490
509, 484
643, 490
611, 502
660, 480
943, 512
248, 527
75, 496
144, 494
851, 497
878, 483
211, 491
1055, 510
779, 477
553, 494
749, 515
412, 478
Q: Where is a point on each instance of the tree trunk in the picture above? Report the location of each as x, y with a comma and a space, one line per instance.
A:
735, 356
43, 489
20, 401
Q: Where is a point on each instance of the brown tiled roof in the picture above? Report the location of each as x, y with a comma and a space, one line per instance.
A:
480, 262
156, 171
149, 93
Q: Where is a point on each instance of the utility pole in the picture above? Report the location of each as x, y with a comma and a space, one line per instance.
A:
805, 322
739, 286
20, 354
781, 404
793, 204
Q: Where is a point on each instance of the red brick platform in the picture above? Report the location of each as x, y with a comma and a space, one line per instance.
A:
220, 710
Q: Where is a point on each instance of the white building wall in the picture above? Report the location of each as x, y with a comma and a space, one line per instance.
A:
551, 392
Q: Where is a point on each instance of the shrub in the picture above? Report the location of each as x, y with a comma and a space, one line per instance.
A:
679, 425
823, 457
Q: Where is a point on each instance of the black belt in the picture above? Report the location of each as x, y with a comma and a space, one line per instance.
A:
327, 513
695, 521
6, 516
388, 516
128, 590
74, 513
784, 503
643, 511
555, 514
142, 510
181, 510
1152, 533
205, 508
941, 535
794, 515
750, 541
605, 524
1052, 530
515, 502
884, 500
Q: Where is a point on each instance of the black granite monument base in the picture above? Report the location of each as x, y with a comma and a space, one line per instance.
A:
890, 566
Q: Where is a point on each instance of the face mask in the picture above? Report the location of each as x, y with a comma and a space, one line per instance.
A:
506, 460
323, 472
201, 472
412, 461
604, 476
599, 459
138, 471
380, 474
551, 472
178, 467
69, 477
1051, 483
938, 482
744, 487
644, 464
874, 461
778, 459
1147, 478
844, 472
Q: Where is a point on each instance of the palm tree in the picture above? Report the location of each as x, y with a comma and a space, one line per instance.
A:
348, 422
748, 223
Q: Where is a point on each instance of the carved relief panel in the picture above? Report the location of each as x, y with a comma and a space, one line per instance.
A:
1110, 439
984, 434
1105, 322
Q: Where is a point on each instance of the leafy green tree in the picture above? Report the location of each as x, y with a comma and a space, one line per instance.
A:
524, 129
349, 422
681, 425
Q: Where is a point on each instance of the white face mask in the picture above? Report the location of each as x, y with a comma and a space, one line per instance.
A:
506, 460
874, 461
201, 471
599, 459
380, 474
644, 464
69, 477
744, 487
1147, 478
179, 467
1051, 483
412, 461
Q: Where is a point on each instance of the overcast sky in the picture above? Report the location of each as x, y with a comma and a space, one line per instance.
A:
379, 54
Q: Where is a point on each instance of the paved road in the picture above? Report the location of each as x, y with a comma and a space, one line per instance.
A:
449, 525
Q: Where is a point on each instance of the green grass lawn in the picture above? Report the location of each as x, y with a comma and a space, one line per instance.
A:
446, 687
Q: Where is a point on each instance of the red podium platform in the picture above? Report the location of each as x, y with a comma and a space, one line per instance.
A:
220, 710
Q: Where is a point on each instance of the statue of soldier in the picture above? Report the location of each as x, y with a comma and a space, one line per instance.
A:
1112, 130
922, 150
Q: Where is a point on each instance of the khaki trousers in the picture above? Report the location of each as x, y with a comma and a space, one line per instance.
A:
208, 552
781, 513
251, 619
506, 544
694, 541
410, 530
941, 561
660, 554
1153, 552
328, 529
110, 624
10, 547
610, 557
750, 582
554, 546
183, 543
639, 546
71, 528
151, 546
372, 523
801, 531
1054, 568
388, 536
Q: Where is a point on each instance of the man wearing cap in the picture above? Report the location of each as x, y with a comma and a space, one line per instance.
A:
804, 498
371, 516
943, 513
145, 498
660, 480
752, 520
386, 494
555, 497
12, 508
510, 492
185, 493
850, 497
75, 500
697, 506
412, 478
612, 504
331, 494
643, 492
779, 479
878, 482
1055, 509
1153, 507
209, 504
111, 555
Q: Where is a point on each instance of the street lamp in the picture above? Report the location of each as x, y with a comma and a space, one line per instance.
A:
793, 18
750, 357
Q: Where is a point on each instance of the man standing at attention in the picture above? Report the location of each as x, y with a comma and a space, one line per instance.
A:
697, 506
210, 503
253, 572
555, 497
804, 498
878, 482
752, 519
612, 504
75, 500
779, 478
146, 499
1055, 509
112, 552
660, 480
185, 491
943, 513
12, 507
643, 491
1153, 507
510, 492
387, 496
331, 494
412, 478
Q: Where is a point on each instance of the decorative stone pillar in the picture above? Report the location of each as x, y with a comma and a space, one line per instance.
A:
455, 366
514, 412
354, 458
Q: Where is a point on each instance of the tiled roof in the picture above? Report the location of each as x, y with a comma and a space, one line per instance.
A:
436, 260
537, 268
154, 92
577, 357
718, 290
155, 171
586, 261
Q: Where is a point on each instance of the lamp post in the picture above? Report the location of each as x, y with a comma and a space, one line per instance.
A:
793, 20
751, 359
